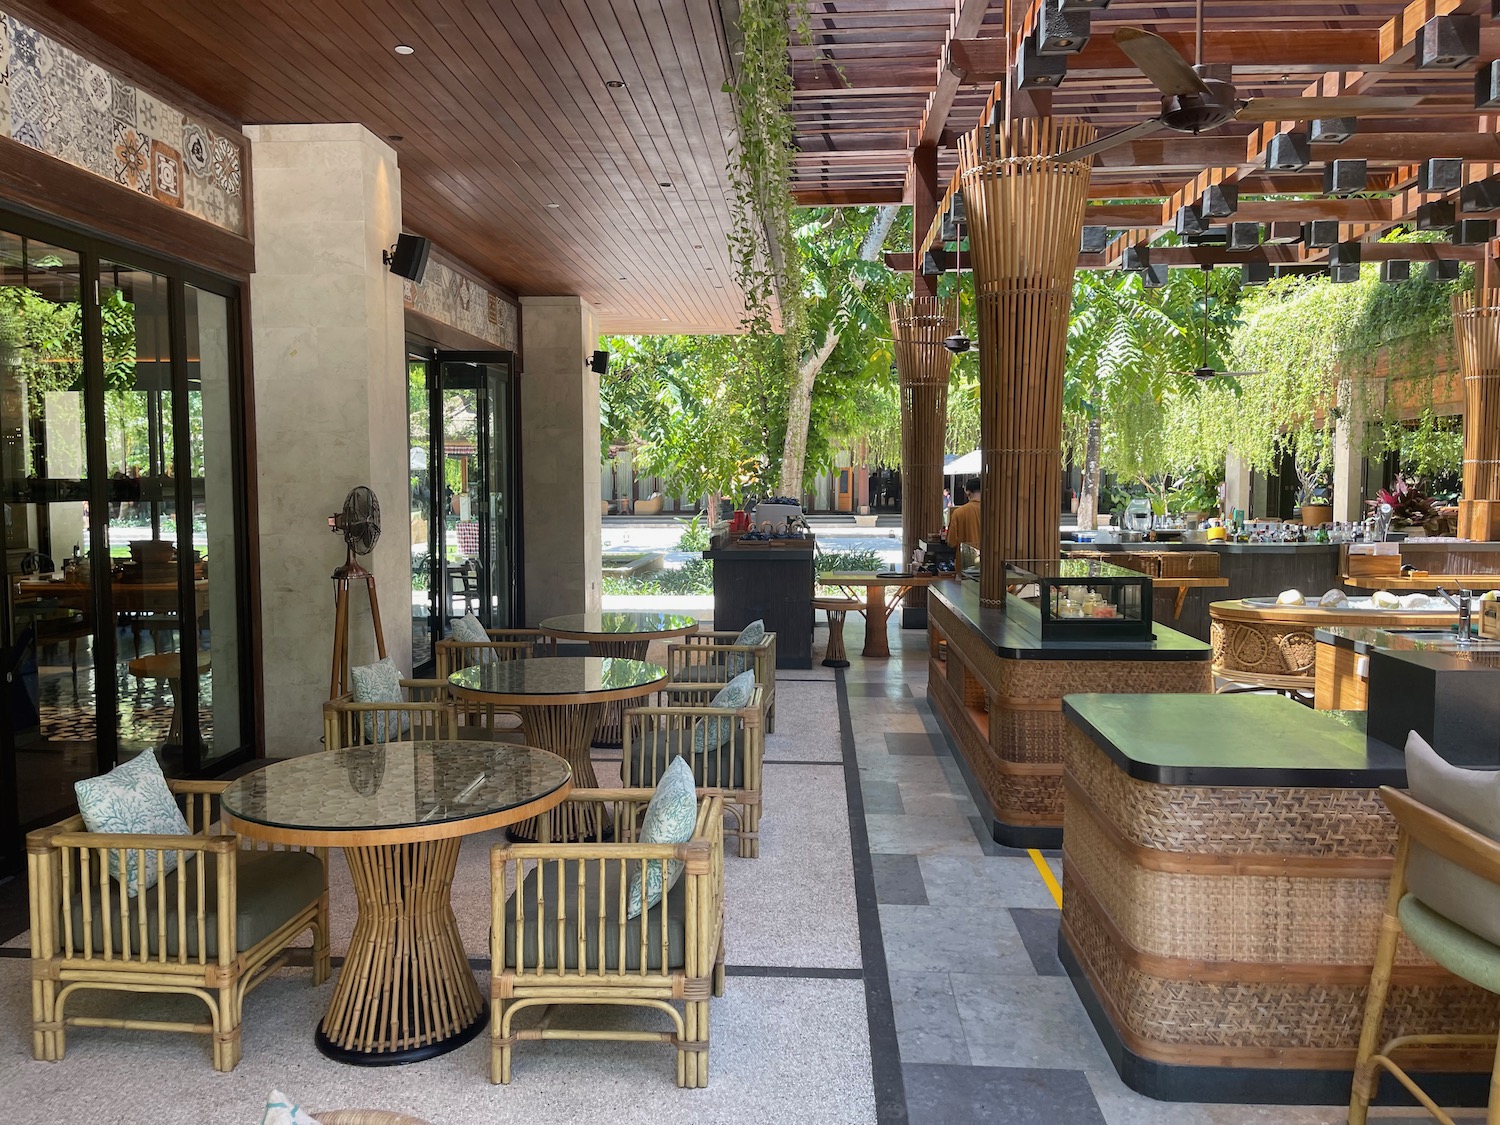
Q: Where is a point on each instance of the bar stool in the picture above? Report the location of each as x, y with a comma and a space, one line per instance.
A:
837, 609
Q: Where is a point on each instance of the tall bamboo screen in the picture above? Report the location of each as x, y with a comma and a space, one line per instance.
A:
919, 327
1025, 211
1476, 324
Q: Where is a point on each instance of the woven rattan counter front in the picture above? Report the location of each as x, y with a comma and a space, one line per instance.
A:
1225, 861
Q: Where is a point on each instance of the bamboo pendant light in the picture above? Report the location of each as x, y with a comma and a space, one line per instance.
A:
918, 328
1476, 324
1025, 210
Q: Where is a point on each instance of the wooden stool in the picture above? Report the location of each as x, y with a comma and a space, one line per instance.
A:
836, 609
168, 666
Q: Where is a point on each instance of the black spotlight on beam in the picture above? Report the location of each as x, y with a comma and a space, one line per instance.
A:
599, 363
408, 258
957, 343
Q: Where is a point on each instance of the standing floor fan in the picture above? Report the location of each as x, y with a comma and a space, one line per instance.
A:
359, 522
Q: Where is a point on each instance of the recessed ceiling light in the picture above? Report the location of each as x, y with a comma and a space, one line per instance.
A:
664, 320
395, 137
663, 183
697, 246
403, 49
553, 206
622, 279
615, 84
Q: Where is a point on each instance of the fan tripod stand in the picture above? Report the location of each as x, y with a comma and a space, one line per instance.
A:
340, 683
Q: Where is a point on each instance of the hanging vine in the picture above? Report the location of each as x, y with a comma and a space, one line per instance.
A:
767, 264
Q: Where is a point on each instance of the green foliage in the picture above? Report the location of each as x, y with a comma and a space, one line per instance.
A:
695, 534
696, 576
1431, 451
826, 562
767, 265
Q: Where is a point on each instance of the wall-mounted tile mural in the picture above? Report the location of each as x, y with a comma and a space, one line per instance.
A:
56, 101
450, 296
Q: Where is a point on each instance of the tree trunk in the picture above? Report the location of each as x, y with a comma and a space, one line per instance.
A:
799, 404
1088, 485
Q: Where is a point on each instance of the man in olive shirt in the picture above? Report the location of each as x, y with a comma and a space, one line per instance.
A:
963, 521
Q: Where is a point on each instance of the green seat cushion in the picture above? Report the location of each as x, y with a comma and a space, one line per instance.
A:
1471, 797
1456, 949
676, 930
721, 768
273, 888
133, 799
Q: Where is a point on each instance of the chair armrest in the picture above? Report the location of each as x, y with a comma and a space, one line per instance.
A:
147, 842
182, 785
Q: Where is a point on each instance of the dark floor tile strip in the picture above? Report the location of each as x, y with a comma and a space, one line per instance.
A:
782, 971
800, 762
885, 1052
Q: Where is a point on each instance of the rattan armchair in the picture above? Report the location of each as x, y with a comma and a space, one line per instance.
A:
426, 714
562, 936
655, 735
715, 658
477, 719
214, 928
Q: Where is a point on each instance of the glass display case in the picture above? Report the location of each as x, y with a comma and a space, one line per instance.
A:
1082, 599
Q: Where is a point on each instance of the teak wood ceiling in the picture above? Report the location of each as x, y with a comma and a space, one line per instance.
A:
502, 109
881, 76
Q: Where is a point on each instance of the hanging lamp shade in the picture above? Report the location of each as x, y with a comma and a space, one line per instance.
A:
1025, 216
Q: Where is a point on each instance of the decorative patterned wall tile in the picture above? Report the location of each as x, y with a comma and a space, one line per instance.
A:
450, 296
60, 103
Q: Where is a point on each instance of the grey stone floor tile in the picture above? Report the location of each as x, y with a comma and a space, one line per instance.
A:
926, 1016
933, 939
988, 1095
890, 767
882, 796
920, 835
898, 880
1038, 930
922, 798
861, 690
1025, 1021
986, 839
993, 881
910, 744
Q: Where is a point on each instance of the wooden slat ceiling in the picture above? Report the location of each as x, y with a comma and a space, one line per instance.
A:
502, 110
867, 78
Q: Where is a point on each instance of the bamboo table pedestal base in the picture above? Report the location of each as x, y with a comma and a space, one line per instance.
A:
610, 731
406, 992
568, 730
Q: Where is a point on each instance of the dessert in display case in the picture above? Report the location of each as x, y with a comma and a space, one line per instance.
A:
1083, 599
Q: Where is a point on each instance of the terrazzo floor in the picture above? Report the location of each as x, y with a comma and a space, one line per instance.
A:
889, 964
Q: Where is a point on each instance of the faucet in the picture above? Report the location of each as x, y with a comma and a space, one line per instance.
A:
1460, 603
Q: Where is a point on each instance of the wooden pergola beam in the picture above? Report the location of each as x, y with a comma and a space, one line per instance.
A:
1181, 257
968, 18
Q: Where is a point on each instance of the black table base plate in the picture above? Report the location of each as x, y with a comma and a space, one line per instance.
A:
835, 664
411, 1054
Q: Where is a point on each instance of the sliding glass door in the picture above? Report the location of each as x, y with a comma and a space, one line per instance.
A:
121, 474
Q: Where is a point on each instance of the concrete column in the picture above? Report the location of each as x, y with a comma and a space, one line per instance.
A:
328, 330
559, 457
1236, 483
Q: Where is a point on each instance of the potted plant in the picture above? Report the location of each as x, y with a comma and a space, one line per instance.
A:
1316, 501
1314, 461
1410, 506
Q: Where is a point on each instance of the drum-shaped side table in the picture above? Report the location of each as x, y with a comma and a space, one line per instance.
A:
399, 811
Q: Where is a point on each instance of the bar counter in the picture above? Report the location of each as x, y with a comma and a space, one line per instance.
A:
769, 582
998, 687
1225, 863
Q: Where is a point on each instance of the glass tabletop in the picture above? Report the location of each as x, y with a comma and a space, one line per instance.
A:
606, 622
395, 785
559, 675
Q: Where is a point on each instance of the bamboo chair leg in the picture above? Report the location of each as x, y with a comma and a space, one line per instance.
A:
719, 975
1492, 1114
1366, 1074
226, 1031
47, 1030
322, 952
750, 832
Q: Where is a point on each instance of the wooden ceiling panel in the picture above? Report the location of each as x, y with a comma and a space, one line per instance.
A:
502, 110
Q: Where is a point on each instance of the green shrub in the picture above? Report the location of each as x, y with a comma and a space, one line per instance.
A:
694, 577
847, 560
695, 534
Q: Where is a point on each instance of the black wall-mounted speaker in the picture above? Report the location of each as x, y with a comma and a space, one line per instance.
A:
599, 363
409, 258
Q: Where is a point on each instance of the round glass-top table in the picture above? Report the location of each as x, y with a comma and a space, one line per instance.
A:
400, 811
617, 633
560, 700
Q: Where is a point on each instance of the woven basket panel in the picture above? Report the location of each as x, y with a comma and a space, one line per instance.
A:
1011, 798
1243, 918
1053, 679
1233, 820
1028, 736
1267, 648
974, 693
1259, 1014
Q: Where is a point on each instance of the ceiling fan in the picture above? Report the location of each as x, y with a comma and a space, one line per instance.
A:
1203, 370
1195, 99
